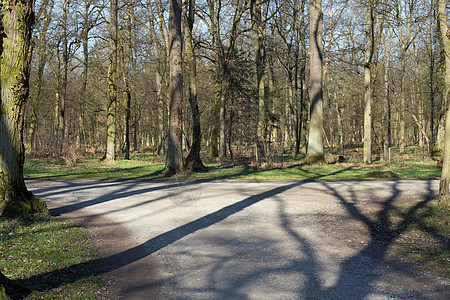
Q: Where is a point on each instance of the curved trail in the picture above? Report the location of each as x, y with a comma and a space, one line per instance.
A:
246, 240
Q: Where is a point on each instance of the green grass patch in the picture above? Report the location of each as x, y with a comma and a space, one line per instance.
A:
38, 252
290, 169
425, 239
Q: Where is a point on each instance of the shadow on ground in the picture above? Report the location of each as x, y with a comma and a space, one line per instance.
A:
306, 267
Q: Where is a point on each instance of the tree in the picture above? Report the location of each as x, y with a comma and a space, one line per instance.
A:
17, 22
315, 142
368, 55
62, 128
193, 160
126, 67
174, 162
258, 33
112, 85
445, 37
371, 49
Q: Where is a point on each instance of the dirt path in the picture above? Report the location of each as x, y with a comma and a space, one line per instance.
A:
238, 240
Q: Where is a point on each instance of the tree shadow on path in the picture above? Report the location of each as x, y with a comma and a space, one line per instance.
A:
375, 250
73, 273
382, 233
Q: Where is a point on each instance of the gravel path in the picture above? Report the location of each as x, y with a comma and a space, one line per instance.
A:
245, 240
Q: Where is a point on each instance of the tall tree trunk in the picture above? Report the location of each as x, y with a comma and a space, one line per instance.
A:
112, 85
258, 33
87, 26
387, 100
174, 163
402, 144
214, 13
223, 98
339, 122
315, 142
15, 43
126, 82
368, 55
445, 37
404, 43
193, 160
65, 56
214, 142
160, 103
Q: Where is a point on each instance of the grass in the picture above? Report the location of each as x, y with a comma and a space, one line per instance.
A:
35, 251
147, 167
427, 238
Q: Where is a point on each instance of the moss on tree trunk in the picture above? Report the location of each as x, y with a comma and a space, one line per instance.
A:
17, 22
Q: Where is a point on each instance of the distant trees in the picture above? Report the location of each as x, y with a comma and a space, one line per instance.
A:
251, 78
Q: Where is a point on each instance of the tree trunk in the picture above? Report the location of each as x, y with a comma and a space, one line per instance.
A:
62, 129
127, 91
16, 46
174, 163
387, 100
223, 98
112, 85
214, 11
193, 160
404, 43
445, 37
402, 144
258, 33
369, 47
315, 142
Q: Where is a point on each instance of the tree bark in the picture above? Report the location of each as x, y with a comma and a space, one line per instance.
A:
445, 37
112, 85
214, 11
126, 82
193, 160
387, 100
223, 99
368, 55
258, 33
174, 163
62, 128
16, 46
315, 142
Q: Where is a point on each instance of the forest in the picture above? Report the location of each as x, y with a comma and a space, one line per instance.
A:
248, 65
228, 80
